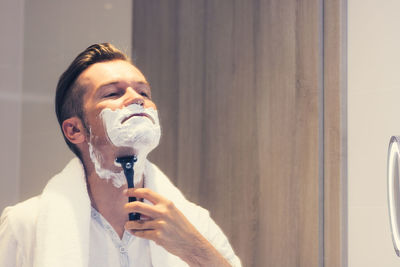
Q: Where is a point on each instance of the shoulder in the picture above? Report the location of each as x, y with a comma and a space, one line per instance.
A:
18, 232
26, 211
21, 218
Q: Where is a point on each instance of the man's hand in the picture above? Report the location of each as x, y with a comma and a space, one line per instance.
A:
168, 227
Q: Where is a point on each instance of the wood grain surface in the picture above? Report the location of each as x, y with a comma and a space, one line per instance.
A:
335, 140
239, 87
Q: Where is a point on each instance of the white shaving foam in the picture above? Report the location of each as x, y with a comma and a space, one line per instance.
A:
118, 179
130, 127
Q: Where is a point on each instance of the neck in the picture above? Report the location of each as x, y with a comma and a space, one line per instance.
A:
108, 199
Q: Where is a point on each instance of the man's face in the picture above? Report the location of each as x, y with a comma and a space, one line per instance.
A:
112, 88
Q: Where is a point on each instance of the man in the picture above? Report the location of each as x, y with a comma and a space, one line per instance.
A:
105, 111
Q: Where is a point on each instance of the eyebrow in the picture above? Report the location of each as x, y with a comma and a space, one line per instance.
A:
116, 82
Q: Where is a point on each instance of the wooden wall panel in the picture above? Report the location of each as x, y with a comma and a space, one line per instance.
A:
190, 98
230, 140
335, 145
239, 86
289, 87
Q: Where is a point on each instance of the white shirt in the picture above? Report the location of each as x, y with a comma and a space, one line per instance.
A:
106, 248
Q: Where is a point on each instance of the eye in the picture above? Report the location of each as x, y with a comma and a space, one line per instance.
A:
110, 95
145, 92
114, 93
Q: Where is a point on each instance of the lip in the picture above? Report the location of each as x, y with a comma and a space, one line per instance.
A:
138, 114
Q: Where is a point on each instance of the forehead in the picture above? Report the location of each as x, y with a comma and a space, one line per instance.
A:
102, 73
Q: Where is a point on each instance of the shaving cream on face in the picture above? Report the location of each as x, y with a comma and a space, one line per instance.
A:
133, 126
117, 178
130, 127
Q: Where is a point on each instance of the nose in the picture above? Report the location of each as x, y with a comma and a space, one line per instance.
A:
133, 97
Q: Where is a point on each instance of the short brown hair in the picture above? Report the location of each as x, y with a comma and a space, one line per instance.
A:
69, 94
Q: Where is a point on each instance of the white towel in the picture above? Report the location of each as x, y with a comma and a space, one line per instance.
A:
62, 237
52, 230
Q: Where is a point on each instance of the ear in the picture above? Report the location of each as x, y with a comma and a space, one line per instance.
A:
74, 130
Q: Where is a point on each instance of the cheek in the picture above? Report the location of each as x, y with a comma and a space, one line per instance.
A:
95, 128
150, 104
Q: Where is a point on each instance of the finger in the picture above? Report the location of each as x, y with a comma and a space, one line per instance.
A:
145, 193
143, 208
144, 217
138, 225
142, 225
147, 234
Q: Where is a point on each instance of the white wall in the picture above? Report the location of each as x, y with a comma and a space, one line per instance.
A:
44, 37
373, 116
11, 65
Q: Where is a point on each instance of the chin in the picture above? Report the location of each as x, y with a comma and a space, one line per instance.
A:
143, 143
141, 140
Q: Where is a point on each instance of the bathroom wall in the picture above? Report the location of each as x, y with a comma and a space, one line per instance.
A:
11, 65
373, 116
42, 37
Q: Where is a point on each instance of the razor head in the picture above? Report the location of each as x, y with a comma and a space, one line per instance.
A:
127, 161
127, 164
